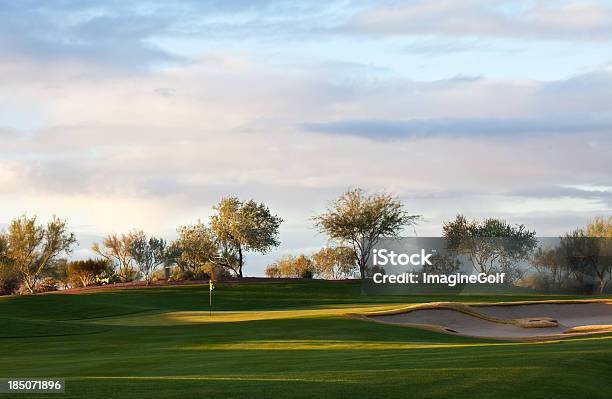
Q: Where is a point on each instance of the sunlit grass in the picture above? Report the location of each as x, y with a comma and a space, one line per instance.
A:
191, 317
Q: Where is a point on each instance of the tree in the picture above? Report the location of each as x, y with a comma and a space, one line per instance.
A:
84, 272
9, 280
239, 227
148, 253
359, 220
117, 250
194, 247
32, 248
334, 263
582, 258
601, 230
490, 244
3, 249
553, 268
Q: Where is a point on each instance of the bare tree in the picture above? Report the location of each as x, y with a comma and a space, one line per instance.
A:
117, 250
148, 253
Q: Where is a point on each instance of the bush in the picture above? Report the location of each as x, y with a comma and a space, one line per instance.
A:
216, 272
292, 266
9, 281
334, 263
204, 272
272, 271
46, 284
307, 273
82, 273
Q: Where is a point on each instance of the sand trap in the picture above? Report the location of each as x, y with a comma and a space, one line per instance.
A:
529, 321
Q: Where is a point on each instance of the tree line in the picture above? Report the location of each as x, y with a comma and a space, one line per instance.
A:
579, 261
33, 255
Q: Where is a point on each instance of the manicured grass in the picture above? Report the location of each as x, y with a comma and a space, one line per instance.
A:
277, 340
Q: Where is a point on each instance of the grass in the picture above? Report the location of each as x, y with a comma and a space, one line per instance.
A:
277, 340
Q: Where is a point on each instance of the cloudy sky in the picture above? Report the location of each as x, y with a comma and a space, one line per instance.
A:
119, 115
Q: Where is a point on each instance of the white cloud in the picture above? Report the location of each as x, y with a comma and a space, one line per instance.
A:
154, 150
535, 20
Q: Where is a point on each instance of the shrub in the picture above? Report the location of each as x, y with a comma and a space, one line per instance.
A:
82, 273
272, 271
292, 266
46, 284
307, 273
203, 272
9, 281
335, 263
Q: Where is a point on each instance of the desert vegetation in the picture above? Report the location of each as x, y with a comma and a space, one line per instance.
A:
35, 256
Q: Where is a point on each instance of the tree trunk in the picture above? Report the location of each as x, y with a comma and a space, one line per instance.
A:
239, 261
30, 285
602, 285
362, 262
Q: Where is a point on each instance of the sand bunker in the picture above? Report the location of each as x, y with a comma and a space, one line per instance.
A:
513, 321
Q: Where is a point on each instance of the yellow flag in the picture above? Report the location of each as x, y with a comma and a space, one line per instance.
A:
211, 286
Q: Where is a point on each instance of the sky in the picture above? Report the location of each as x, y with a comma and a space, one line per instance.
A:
122, 115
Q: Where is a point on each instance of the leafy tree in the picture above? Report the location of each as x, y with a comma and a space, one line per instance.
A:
334, 263
359, 220
118, 251
239, 227
84, 272
32, 248
490, 244
147, 253
194, 247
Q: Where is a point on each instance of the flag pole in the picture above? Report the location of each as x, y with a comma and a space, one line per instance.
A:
210, 290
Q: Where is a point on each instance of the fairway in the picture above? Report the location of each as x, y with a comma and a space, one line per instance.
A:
278, 340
